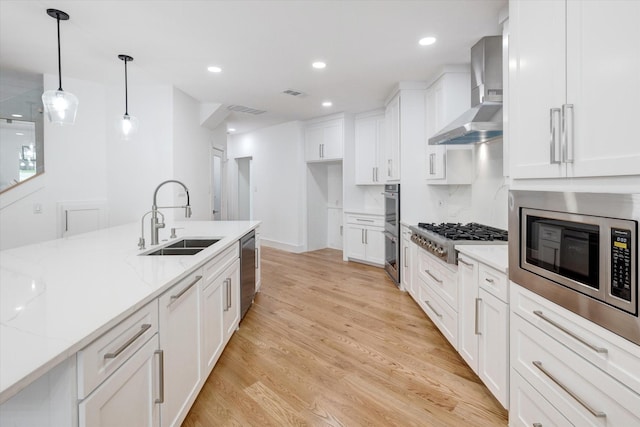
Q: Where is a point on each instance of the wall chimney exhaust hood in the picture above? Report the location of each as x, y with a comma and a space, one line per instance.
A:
483, 122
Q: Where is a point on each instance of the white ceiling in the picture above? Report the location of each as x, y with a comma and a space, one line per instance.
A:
264, 47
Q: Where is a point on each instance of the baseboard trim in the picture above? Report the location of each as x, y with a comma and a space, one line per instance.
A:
296, 249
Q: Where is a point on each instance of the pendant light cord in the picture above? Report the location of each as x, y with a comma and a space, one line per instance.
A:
126, 90
59, 56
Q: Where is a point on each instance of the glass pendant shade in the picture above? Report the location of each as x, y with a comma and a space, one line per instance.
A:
127, 126
61, 106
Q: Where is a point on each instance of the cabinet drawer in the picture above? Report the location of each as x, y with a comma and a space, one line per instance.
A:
494, 282
439, 278
617, 357
443, 316
105, 355
586, 395
214, 267
530, 408
368, 220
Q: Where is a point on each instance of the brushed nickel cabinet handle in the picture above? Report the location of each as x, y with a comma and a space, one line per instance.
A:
227, 294
182, 292
477, 328
567, 134
406, 263
598, 414
130, 341
433, 277
486, 279
160, 354
553, 141
433, 309
432, 158
537, 424
468, 264
593, 347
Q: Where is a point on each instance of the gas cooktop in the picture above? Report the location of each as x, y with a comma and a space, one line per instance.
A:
440, 239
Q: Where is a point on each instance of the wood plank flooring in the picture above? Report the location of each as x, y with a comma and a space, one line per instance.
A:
331, 343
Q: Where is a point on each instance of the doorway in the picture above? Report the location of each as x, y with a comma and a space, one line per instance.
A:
216, 184
245, 211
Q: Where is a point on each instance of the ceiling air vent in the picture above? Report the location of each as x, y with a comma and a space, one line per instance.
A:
243, 109
294, 92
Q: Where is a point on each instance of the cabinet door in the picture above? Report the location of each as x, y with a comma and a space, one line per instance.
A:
468, 314
212, 301
313, 140
128, 397
603, 84
333, 136
374, 240
392, 143
180, 339
355, 242
537, 84
435, 162
530, 408
231, 303
493, 344
366, 145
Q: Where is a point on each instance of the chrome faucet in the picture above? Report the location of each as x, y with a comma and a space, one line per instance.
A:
157, 225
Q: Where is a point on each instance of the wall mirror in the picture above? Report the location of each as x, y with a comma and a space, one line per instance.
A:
21, 127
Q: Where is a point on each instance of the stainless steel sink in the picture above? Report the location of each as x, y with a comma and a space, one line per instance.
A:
184, 247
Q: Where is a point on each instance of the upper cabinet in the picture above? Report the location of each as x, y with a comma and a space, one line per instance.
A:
369, 144
392, 143
446, 99
324, 140
574, 88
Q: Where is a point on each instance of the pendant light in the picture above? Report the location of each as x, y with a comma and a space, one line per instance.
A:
127, 125
61, 106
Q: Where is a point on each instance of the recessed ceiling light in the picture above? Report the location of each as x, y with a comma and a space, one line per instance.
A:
19, 133
232, 129
214, 69
426, 41
327, 104
16, 115
319, 65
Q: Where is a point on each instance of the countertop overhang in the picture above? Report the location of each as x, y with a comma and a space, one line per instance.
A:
58, 296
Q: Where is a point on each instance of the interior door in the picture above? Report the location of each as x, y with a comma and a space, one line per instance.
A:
216, 184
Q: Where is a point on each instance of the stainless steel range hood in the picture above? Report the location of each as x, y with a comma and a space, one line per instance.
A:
483, 122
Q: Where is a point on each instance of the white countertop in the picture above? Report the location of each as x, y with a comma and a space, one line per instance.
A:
58, 296
496, 256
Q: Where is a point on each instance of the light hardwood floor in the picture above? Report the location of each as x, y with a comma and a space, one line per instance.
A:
330, 343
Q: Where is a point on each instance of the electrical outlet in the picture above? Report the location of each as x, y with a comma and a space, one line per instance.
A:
37, 208
440, 203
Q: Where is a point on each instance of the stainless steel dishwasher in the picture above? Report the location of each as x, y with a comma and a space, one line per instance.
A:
247, 271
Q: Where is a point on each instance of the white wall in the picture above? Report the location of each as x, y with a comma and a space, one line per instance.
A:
279, 182
244, 188
76, 164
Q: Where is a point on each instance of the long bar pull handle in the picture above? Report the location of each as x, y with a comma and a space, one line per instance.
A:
182, 292
478, 301
567, 134
468, 264
433, 309
537, 425
376, 173
406, 261
389, 168
432, 158
365, 220
588, 407
433, 277
227, 294
257, 258
160, 354
319, 151
553, 140
362, 236
366, 237
130, 341
571, 334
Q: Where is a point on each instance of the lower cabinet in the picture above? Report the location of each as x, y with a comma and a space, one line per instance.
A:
406, 259
129, 397
365, 238
179, 323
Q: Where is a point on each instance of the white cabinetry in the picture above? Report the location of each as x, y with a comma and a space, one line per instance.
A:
119, 374
365, 238
446, 99
392, 143
324, 140
179, 317
569, 114
566, 365
484, 324
369, 141
406, 258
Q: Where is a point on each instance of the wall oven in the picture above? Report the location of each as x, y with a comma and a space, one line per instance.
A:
392, 231
579, 250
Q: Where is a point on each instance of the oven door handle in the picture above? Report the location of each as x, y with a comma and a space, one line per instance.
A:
390, 236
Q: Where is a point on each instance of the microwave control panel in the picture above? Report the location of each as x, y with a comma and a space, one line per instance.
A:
621, 269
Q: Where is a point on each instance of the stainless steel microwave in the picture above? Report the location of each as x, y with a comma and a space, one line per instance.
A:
579, 250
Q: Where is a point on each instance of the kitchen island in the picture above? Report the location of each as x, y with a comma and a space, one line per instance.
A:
59, 296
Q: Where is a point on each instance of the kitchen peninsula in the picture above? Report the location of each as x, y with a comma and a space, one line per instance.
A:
59, 298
